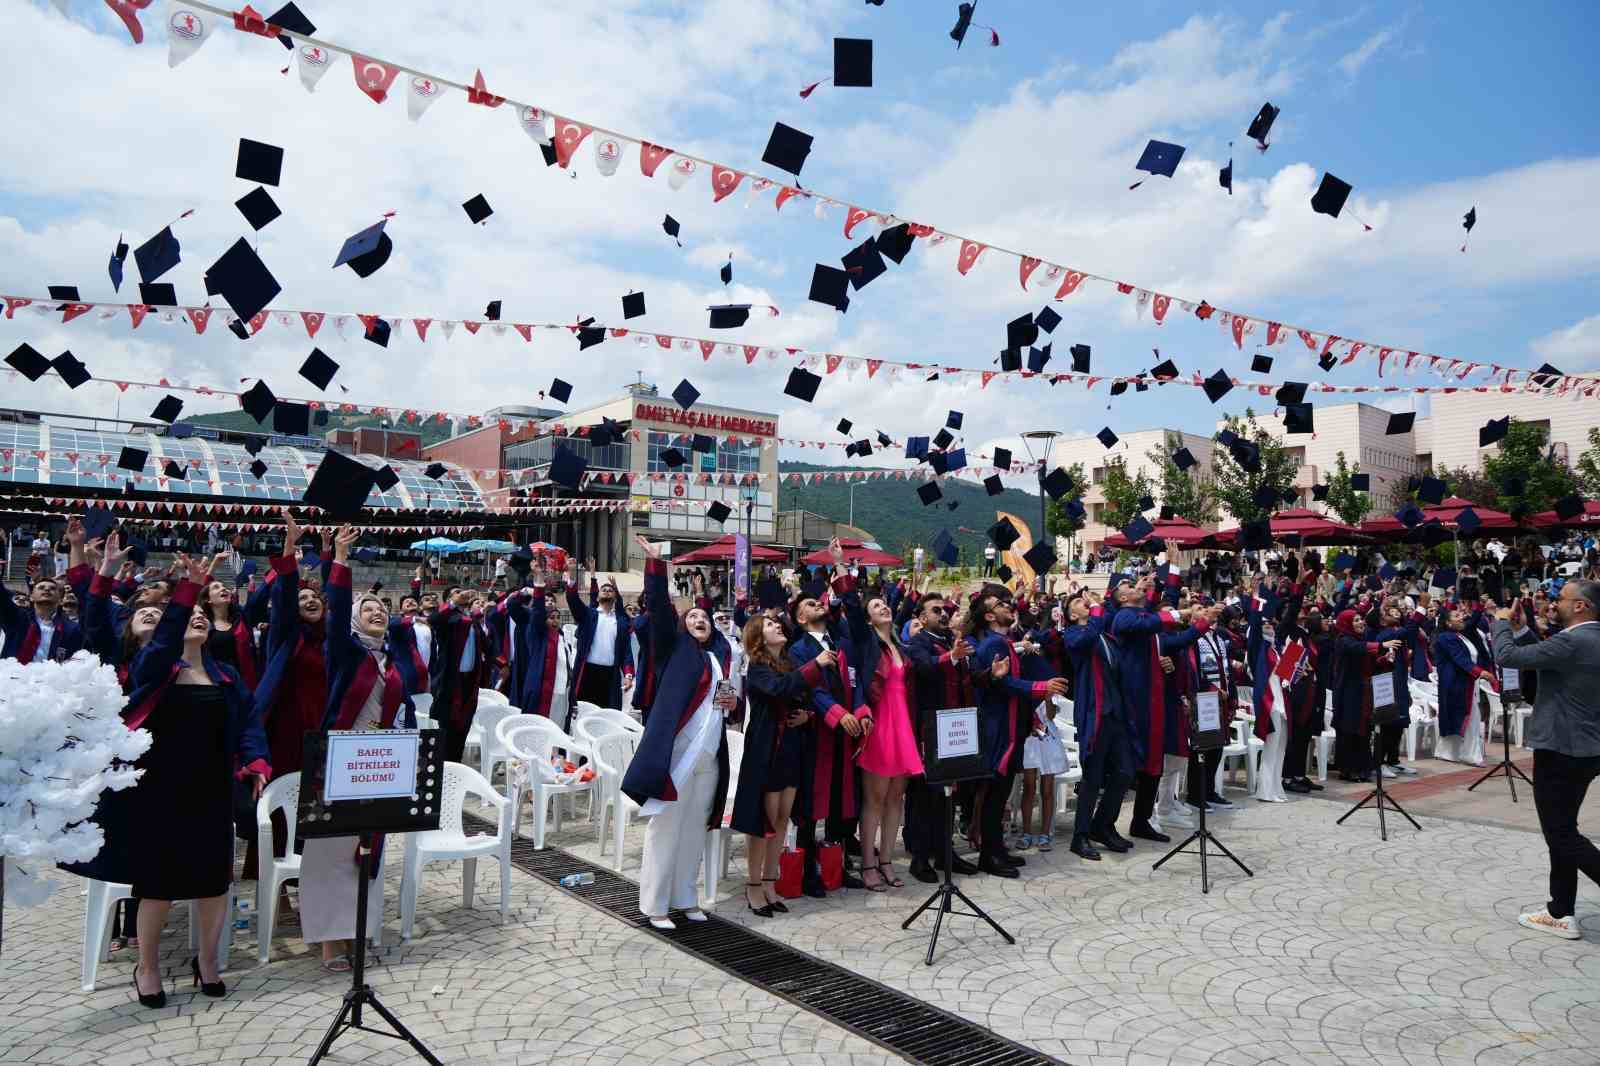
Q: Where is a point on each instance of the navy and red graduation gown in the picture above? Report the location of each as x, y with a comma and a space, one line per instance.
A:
292, 694
537, 649
644, 678
684, 684
942, 680
22, 635
1005, 704
353, 669
1458, 681
1407, 634
455, 691
1096, 691
1355, 662
1138, 631
829, 790
772, 696
407, 656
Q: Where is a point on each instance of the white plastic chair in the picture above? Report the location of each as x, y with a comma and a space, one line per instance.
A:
450, 842
611, 753
282, 794
1424, 717
588, 711
1244, 748
490, 750
101, 908
422, 702
533, 739
719, 841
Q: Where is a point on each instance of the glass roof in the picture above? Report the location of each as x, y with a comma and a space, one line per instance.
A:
87, 459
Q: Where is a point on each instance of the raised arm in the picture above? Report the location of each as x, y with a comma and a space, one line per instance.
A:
157, 658
657, 601
342, 646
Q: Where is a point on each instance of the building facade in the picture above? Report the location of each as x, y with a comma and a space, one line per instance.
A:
1133, 450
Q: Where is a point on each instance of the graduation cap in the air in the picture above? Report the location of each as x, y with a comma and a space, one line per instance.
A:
1361, 482
670, 224
27, 361
1493, 431
940, 461
168, 409
993, 485
729, 316
830, 285
943, 439
290, 19
1261, 364
964, 13
132, 459
1256, 536
1021, 331
158, 294
1319, 492
559, 391
1546, 376
1567, 507
944, 548
1225, 177
1468, 220
157, 255
436, 471
1160, 157
608, 431
1298, 418
1041, 557
340, 486
685, 394
1431, 490
1002, 458
1247, 454
1513, 486
386, 478
64, 293
884, 440
97, 522
491, 311
378, 333
1290, 392
291, 419
916, 447
119, 256
1010, 359
718, 511
787, 149
1183, 459
703, 443
1147, 502
673, 458
1227, 438
72, 372
1167, 370
257, 162
1138, 529
567, 467
1003, 533
1400, 422
243, 280
633, 305
956, 459
238, 328
852, 65
845, 425
1106, 437
1217, 385
258, 207
1057, 483
895, 242
1327, 360
173, 470
319, 369
953, 420
1468, 521
1330, 196
589, 334
1434, 533
1037, 358
864, 263
477, 208
802, 384
1047, 319
928, 492
366, 251
1261, 125
254, 443
258, 401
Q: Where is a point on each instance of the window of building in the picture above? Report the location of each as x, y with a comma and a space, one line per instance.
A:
729, 458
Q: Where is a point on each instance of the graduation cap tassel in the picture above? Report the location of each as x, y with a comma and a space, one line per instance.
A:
805, 94
1468, 220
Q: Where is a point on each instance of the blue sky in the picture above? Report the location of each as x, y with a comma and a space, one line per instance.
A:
1426, 109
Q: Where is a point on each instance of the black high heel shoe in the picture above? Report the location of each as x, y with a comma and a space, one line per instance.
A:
214, 989
777, 906
156, 999
763, 911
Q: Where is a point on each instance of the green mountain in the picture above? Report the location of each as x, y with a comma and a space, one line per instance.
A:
891, 512
431, 431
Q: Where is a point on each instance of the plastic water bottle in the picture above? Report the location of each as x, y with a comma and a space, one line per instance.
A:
242, 915
577, 880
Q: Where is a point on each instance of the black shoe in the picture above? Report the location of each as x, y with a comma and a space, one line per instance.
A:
1312, 786
1146, 831
923, 871
157, 999
215, 989
1118, 838
1012, 860
1106, 841
776, 905
1301, 787
815, 890
1083, 849
963, 867
991, 865
852, 881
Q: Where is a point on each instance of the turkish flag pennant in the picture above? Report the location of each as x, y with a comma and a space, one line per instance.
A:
421, 326
706, 348
1236, 327
372, 77
650, 157
137, 313
1383, 357
854, 217
833, 362
1070, 283
472, 327
568, 136
970, 250
480, 94
872, 367
1328, 346
1158, 307
72, 311
723, 182
1273, 330
784, 194
1025, 271
1355, 350
258, 320
14, 302
750, 353
1307, 338
128, 12
988, 375
198, 317
527, 331
663, 341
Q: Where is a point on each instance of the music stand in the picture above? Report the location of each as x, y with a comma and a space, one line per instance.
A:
1505, 765
1380, 799
952, 752
367, 784
1206, 733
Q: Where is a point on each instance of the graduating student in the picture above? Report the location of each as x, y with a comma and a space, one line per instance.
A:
232, 640
458, 670
1356, 660
1303, 693
40, 630
1397, 623
644, 677
940, 659
605, 654
1098, 722
679, 774
546, 658
1460, 668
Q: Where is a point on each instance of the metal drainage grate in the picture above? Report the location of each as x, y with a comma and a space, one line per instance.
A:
893, 1020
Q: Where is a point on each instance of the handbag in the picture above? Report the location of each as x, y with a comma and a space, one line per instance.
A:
791, 873
830, 857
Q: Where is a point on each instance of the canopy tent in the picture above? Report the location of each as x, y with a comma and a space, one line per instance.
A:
496, 547
1169, 532
1302, 527
855, 553
1588, 519
437, 545
1447, 513
721, 551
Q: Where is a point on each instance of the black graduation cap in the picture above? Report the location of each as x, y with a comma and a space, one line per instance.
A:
157, 255
436, 471
64, 293
1433, 534
380, 331
1041, 557
685, 394
670, 224
1106, 437
168, 409
1290, 392
844, 426
718, 511
895, 242
1327, 360
852, 63
1183, 458
787, 148
567, 467
158, 294
1256, 536
238, 328
1218, 385
386, 478
1319, 492
1410, 516
1330, 196
1225, 177
1468, 521
802, 384
1400, 422
1138, 529
943, 439
884, 441
119, 256
1261, 125
1493, 430
253, 443
1290, 495
243, 280
1265, 496
1298, 418
1003, 533
319, 369
993, 485
173, 470
258, 468
1227, 438
703, 443
258, 207
292, 419
830, 285
863, 447
1546, 376
1002, 458
1047, 319
1080, 358
916, 447
1075, 509
944, 548
366, 251
340, 486
953, 504
289, 18
477, 208
940, 461
1010, 359
1247, 454
559, 391
1566, 508
590, 335
1469, 219
1037, 358
929, 493
260, 163
491, 311
1166, 370
1057, 483
864, 263
1159, 157
1261, 364
27, 361
603, 435
1147, 503
633, 305
71, 370
963, 23
953, 420
1361, 482
132, 459
673, 458
956, 459
1021, 331
1003, 572
1512, 486
258, 401
97, 522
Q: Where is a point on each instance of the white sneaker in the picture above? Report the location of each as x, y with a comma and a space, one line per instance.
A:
1565, 928
1401, 770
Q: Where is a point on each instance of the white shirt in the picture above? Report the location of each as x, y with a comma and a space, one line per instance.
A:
424, 634
696, 743
47, 632
499, 568
603, 652
41, 546
469, 650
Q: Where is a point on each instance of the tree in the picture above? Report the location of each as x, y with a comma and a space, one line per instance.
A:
1123, 493
1057, 522
1589, 465
1189, 495
1236, 486
1349, 505
1523, 456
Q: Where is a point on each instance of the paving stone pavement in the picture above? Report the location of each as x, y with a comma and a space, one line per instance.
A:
1341, 950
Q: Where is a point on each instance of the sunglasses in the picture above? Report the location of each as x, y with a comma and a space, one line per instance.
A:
939, 610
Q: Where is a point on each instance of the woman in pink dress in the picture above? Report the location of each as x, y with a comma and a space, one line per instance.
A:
885, 692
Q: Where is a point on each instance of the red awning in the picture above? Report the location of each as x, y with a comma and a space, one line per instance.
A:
855, 553
1589, 519
1174, 532
1303, 527
1390, 527
721, 551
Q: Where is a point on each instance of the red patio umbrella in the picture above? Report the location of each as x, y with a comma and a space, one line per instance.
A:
854, 552
1447, 513
1589, 519
1303, 526
1174, 532
721, 551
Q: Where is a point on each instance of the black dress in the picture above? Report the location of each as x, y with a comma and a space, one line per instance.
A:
181, 838
774, 754
223, 647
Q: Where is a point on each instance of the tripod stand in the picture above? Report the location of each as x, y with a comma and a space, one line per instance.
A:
1505, 765
1203, 835
1383, 800
942, 895
361, 993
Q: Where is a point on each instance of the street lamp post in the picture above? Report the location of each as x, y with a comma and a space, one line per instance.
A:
1044, 437
853, 485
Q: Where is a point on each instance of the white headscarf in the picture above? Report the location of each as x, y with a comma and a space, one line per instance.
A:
366, 640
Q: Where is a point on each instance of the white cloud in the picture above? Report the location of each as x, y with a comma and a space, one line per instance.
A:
1577, 346
1352, 61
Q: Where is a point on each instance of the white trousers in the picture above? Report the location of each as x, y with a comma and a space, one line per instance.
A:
1469, 748
328, 879
1269, 775
1170, 808
674, 846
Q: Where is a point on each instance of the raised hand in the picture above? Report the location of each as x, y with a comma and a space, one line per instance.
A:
999, 668
291, 531
836, 551
651, 551
114, 554
343, 541
826, 660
